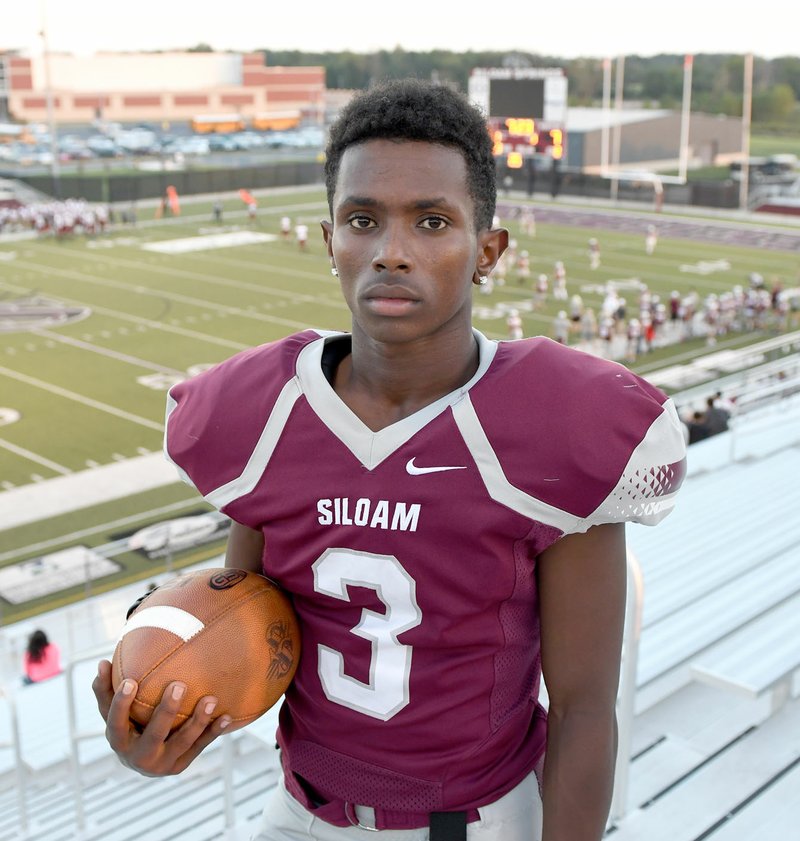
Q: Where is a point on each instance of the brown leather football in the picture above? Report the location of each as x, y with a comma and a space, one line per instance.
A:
223, 632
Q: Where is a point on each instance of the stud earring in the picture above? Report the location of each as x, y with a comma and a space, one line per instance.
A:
334, 271
482, 280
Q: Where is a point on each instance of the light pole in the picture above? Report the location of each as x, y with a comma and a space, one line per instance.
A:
685, 117
606, 116
747, 107
48, 90
617, 139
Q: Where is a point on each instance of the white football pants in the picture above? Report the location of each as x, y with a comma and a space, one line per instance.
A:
515, 817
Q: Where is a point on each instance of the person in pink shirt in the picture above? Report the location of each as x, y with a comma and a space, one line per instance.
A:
42, 658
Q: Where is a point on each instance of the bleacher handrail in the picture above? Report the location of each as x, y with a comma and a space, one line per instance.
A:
750, 359
75, 735
767, 394
626, 696
741, 383
14, 744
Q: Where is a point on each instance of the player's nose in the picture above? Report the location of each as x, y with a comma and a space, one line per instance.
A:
391, 251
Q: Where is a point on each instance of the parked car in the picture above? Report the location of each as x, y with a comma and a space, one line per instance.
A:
103, 147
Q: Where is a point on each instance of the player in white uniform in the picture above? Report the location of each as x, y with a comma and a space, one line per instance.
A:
594, 253
397, 482
514, 323
651, 239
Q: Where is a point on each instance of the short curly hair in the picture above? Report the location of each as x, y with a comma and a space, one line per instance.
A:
410, 109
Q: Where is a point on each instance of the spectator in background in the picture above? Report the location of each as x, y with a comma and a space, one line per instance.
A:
698, 428
725, 403
716, 417
42, 658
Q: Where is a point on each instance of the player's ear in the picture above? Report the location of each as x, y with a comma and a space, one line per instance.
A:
492, 242
327, 235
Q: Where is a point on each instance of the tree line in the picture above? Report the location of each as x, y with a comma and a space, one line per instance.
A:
655, 81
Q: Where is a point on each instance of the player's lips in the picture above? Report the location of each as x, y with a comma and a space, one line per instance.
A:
388, 299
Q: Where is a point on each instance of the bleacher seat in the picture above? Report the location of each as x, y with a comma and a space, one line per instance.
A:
758, 658
720, 560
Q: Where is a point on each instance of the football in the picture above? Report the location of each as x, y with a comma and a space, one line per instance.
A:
223, 632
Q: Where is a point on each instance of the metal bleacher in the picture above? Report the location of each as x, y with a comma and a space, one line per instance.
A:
728, 553
715, 748
712, 743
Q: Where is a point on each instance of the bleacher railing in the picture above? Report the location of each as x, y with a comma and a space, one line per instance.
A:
76, 735
14, 744
627, 685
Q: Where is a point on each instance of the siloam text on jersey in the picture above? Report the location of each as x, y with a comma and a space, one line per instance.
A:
368, 513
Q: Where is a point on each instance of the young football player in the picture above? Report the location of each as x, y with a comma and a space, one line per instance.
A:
446, 511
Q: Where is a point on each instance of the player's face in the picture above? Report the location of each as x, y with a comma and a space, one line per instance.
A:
403, 239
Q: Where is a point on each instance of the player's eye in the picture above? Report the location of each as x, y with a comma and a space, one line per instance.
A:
361, 222
434, 223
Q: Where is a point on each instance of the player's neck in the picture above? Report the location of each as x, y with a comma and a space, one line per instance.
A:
384, 383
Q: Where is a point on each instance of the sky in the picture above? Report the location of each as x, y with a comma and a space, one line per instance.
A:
560, 28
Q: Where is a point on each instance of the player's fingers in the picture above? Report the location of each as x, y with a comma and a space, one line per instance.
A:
163, 718
186, 736
102, 688
212, 731
118, 725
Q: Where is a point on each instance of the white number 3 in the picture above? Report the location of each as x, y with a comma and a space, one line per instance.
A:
390, 667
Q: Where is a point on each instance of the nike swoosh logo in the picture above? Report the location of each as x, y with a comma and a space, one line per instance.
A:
419, 471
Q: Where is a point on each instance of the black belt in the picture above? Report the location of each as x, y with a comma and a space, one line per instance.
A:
448, 826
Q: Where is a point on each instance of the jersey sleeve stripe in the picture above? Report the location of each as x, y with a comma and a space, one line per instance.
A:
262, 452
268, 440
497, 485
172, 404
646, 491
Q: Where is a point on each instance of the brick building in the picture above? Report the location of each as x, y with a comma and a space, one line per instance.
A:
155, 87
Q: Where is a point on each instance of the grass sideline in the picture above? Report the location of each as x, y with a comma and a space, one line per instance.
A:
92, 391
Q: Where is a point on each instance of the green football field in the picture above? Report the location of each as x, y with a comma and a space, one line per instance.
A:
142, 309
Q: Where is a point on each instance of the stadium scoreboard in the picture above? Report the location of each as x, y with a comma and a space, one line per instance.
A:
525, 110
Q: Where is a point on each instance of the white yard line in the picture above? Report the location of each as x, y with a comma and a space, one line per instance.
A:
171, 271
158, 293
80, 398
84, 489
45, 462
111, 354
136, 319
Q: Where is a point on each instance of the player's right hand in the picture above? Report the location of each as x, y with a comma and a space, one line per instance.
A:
153, 751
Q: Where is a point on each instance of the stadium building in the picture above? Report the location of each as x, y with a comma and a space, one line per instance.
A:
156, 87
649, 138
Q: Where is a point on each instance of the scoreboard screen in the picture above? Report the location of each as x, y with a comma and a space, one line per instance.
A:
525, 110
516, 98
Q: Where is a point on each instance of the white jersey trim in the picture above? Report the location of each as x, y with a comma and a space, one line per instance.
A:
642, 493
172, 404
371, 448
248, 479
259, 458
497, 485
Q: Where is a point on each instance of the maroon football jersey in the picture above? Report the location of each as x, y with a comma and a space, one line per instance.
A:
410, 552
